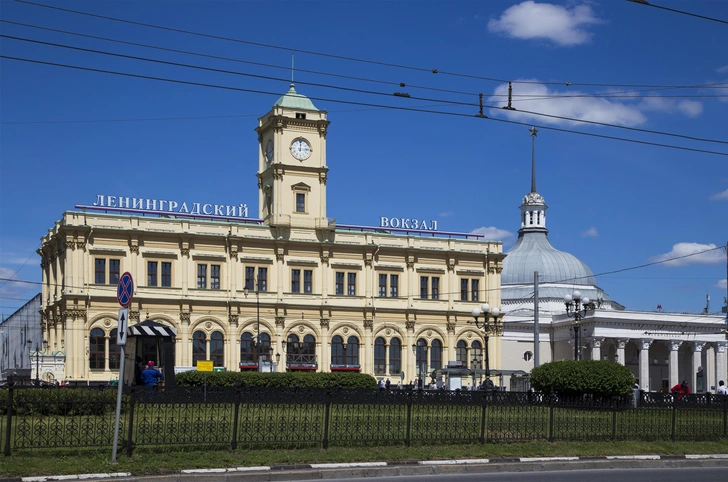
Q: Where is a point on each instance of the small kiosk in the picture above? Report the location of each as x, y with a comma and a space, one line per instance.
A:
149, 341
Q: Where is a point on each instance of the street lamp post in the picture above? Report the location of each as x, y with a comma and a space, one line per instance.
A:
576, 307
257, 310
491, 326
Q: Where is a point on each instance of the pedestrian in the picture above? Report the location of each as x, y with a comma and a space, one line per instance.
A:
387, 384
681, 389
399, 385
722, 390
150, 375
138, 369
380, 383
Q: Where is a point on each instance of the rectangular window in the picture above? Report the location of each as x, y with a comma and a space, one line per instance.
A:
308, 281
300, 115
114, 271
100, 271
249, 278
300, 202
152, 273
262, 279
296, 281
435, 288
474, 288
339, 283
463, 289
351, 284
382, 285
215, 277
423, 287
166, 274
393, 285
202, 276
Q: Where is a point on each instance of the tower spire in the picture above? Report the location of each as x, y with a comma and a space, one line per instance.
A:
292, 70
533, 132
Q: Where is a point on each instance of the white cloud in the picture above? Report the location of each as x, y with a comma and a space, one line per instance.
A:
447, 214
722, 284
722, 69
492, 233
581, 108
680, 250
690, 108
590, 233
531, 20
6, 272
721, 196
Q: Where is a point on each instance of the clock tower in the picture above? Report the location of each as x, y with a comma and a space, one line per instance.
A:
292, 164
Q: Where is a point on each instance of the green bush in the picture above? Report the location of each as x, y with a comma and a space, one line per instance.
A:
593, 377
288, 379
61, 401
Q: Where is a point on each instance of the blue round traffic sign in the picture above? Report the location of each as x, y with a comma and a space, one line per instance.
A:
125, 290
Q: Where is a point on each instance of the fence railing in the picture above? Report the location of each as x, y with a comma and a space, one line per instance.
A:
258, 417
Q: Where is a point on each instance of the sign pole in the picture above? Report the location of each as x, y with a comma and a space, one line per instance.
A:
124, 294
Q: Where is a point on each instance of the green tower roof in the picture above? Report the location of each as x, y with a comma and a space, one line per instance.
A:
294, 100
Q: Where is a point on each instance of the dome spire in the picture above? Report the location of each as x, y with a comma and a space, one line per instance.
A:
534, 132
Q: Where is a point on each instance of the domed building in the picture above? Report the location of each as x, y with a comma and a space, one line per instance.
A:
660, 348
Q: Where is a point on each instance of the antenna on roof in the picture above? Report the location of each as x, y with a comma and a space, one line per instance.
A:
292, 70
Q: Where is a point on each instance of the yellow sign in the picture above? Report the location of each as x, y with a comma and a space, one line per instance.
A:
204, 365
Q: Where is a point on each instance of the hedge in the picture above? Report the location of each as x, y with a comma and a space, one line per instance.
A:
593, 377
288, 379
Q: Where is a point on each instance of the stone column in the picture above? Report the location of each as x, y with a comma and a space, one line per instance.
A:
696, 362
366, 352
674, 363
621, 344
184, 335
720, 362
280, 326
450, 344
645, 363
411, 371
325, 357
596, 348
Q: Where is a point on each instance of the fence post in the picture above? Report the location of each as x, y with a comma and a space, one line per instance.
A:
725, 416
408, 432
9, 419
614, 419
551, 417
326, 420
483, 408
129, 441
674, 416
234, 443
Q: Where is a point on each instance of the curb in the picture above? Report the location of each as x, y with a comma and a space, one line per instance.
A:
410, 467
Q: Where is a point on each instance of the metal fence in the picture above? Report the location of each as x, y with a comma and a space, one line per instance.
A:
258, 417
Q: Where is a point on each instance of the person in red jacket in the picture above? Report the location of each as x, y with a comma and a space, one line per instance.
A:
681, 389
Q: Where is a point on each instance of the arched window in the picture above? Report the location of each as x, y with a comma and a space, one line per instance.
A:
114, 351
309, 345
247, 355
395, 356
380, 358
461, 352
477, 355
337, 350
351, 354
265, 347
97, 349
199, 351
436, 355
217, 349
421, 353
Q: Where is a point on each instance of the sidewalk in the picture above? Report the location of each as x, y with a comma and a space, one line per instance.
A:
422, 467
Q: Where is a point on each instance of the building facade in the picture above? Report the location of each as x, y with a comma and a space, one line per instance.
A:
289, 287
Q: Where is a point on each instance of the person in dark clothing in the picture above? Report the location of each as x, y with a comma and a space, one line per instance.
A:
681, 390
138, 368
150, 375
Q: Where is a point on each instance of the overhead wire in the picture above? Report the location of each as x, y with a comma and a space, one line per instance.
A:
323, 54
648, 4
350, 89
393, 107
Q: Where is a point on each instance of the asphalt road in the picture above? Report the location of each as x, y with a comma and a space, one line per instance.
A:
702, 474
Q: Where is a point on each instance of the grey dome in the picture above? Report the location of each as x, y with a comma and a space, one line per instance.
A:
533, 252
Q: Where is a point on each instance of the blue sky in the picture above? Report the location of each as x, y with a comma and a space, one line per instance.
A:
68, 135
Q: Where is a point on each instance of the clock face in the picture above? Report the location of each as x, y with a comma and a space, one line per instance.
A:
301, 149
269, 152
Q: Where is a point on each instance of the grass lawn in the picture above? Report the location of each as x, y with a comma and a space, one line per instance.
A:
148, 461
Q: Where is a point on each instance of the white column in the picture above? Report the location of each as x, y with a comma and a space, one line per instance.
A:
697, 358
621, 343
720, 362
596, 348
645, 363
674, 363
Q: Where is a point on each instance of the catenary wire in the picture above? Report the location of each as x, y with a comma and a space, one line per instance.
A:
364, 79
361, 91
339, 101
322, 54
645, 2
